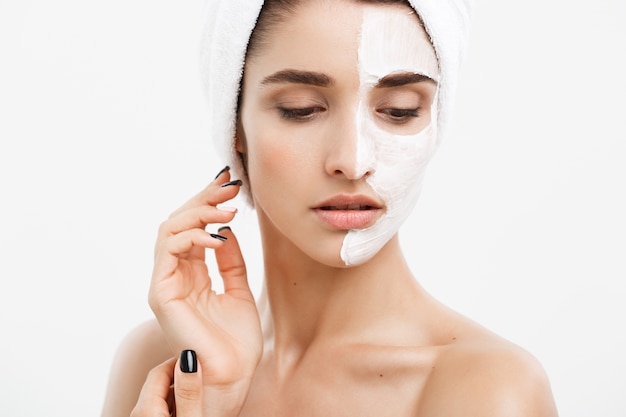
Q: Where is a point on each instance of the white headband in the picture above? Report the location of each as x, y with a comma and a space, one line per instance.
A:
229, 24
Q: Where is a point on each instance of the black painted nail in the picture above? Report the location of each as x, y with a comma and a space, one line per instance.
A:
188, 362
223, 228
226, 168
229, 183
218, 237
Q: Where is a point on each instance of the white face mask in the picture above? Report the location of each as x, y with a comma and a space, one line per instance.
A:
390, 42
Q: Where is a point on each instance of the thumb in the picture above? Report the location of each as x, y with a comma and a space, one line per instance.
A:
188, 385
232, 266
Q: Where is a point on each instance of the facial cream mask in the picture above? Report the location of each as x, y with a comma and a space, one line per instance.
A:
390, 42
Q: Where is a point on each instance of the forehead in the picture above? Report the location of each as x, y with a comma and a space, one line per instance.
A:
393, 41
333, 37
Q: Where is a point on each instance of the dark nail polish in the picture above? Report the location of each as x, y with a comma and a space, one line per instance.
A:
226, 168
224, 228
235, 182
218, 237
188, 362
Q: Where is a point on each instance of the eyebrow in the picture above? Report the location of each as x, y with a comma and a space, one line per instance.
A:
299, 77
397, 80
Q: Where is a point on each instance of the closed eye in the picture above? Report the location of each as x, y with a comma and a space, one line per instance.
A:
300, 114
399, 116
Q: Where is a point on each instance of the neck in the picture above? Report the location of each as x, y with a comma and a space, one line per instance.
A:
305, 302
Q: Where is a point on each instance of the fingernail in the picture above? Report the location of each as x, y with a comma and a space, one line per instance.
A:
224, 228
226, 168
188, 362
227, 208
229, 183
218, 237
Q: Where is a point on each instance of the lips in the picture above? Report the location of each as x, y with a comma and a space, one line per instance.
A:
349, 212
348, 207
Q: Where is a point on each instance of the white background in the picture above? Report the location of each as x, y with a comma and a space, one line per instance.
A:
103, 132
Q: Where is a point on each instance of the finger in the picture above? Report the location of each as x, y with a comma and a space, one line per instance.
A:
183, 242
152, 400
190, 245
232, 266
196, 218
188, 385
218, 191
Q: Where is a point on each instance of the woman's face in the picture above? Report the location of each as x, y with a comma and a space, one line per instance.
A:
338, 121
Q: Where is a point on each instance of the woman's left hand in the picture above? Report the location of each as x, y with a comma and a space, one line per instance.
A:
172, 390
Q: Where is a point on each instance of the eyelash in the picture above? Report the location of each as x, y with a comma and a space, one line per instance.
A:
300, 114
400, 116
396, 116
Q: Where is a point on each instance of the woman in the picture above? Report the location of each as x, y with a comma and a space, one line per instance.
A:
341, 106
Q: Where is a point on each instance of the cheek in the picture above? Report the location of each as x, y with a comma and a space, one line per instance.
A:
406, 154
398, 161
277, 162
266, 161
400, 164
262, 148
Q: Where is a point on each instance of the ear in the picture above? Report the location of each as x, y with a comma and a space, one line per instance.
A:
240, 138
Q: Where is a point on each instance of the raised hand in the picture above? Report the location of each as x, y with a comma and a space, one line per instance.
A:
223, 329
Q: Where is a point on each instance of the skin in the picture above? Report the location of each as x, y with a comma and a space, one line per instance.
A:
325, 339
157, 398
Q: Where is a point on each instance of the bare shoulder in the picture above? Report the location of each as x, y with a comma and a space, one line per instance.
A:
143, 348
485, 376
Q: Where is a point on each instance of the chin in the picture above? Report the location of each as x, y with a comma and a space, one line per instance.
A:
335, 260
326, 252
332, 260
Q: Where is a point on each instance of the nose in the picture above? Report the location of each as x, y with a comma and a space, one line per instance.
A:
350, 153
